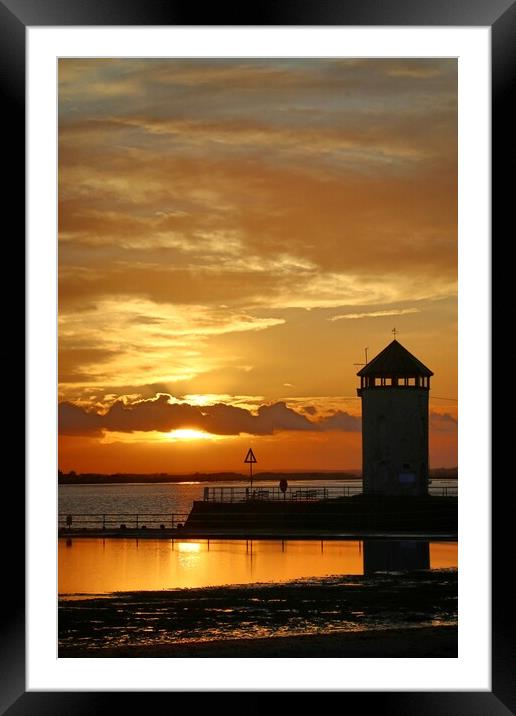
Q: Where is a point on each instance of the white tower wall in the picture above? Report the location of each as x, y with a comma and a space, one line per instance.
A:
395, 440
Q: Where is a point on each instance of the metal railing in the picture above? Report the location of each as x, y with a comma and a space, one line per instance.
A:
121, 520
305, 493
443, 491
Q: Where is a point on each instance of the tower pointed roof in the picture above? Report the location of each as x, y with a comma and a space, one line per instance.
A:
394, 361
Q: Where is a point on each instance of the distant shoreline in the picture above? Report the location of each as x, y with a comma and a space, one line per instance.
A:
82, 479
153, 478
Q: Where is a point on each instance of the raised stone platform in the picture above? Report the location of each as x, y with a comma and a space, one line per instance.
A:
360, 512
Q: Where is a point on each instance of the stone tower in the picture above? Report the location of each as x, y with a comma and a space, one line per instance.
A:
394, 389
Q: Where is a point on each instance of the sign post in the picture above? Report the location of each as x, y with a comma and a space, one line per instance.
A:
250, 459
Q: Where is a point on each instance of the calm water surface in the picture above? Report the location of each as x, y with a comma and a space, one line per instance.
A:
165, 497
100, 566
132, 498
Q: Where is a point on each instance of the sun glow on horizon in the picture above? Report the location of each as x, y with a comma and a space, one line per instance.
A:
190, 434
157, 437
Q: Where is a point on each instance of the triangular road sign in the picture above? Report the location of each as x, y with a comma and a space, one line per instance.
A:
250, 456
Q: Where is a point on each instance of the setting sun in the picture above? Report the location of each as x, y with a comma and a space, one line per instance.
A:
236, 248
189, 434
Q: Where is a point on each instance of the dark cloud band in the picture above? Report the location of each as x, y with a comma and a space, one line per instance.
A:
158, 414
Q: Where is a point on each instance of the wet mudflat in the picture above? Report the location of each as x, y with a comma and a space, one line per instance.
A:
384, 614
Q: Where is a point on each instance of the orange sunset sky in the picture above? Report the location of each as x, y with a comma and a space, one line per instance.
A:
232, 234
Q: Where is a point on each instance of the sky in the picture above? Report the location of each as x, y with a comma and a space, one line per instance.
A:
232, 235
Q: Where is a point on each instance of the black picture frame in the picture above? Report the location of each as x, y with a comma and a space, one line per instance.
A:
500, 16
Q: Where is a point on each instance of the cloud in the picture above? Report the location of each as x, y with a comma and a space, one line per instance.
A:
375, 314
136, 337
164, 414
251, 221
443, 422
73, 420
200, 201
340, 420
229, 172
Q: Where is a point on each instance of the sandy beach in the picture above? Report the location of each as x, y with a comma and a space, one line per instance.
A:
438, 641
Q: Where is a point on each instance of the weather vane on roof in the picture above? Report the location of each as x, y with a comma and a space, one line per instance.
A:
394, 333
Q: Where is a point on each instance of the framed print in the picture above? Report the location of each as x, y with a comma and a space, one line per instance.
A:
42, 43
